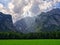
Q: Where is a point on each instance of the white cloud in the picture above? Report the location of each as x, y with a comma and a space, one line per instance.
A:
1, 6
45, 6
10, 6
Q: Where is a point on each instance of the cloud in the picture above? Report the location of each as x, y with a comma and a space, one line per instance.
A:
2, 8
5, 2
22, 8
10, 6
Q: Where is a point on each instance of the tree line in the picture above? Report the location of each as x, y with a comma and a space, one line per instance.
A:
39, 35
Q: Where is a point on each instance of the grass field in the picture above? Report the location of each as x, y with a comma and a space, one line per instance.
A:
29, 42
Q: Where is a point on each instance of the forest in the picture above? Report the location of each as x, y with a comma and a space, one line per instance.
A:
40, 35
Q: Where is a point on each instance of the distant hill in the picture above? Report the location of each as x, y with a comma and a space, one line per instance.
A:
6, 23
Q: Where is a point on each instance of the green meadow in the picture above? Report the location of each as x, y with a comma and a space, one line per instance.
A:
30, 42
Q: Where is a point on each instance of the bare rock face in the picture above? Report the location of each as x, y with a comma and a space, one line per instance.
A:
6, 23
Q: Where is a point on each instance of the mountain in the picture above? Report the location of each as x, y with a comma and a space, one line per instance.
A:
26, 24
46, 21
6, 23
49, 21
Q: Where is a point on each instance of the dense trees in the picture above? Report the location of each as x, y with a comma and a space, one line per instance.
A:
40, 35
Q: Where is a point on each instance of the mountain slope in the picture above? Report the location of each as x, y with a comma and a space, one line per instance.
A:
49, 21
25, 25
6, 23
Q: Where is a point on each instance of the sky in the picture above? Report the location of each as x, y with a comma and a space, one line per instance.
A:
23, 8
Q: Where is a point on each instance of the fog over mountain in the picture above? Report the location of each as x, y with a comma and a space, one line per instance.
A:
23, 8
